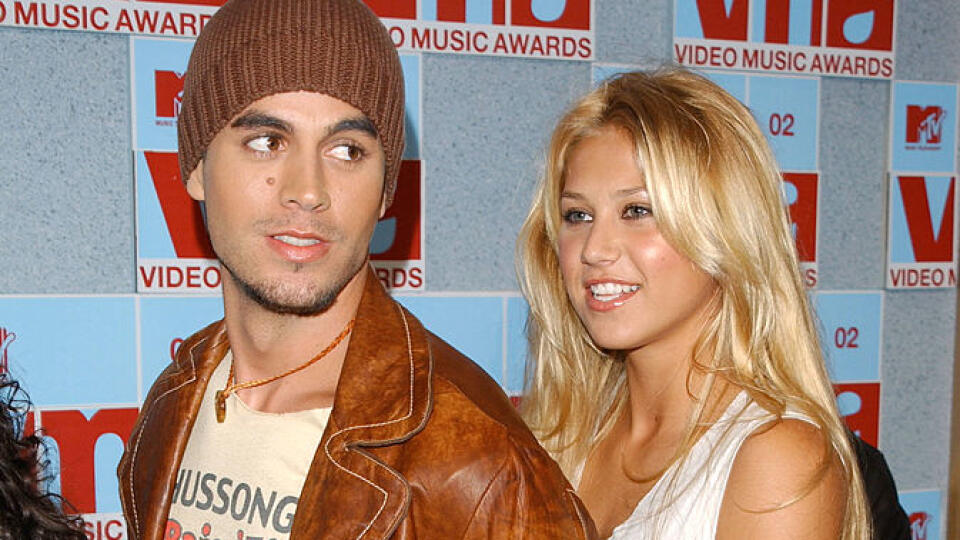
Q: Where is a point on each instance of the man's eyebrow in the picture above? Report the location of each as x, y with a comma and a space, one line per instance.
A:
254, 120
358, 123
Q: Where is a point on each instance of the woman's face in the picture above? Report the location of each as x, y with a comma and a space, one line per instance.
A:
630, 288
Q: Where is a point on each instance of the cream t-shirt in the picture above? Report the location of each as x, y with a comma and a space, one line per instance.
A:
242, 478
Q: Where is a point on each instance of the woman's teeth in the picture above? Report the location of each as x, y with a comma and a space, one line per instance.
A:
606, 292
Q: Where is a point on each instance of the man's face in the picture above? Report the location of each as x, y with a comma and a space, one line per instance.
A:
293, 187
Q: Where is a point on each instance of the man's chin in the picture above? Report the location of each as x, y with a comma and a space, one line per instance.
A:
286, 302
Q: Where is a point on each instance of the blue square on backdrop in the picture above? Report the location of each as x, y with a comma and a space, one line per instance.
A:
924, 136
165, 321
602, 72
787, 110
72, 351
517, 346
158, 68
686, 20
924, 510
471, 324
734, 83
411, 88
850, 324
153, 237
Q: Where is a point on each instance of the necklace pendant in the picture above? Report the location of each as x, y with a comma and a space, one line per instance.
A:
221, 406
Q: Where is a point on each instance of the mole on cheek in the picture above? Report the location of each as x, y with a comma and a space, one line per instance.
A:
271, 181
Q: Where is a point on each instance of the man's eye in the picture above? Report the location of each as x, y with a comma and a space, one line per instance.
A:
265, 144
636, 211
576, 216
347, 152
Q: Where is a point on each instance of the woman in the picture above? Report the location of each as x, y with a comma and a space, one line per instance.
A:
26, 512
676, 374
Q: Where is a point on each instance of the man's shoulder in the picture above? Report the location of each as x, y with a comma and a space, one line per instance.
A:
468, 390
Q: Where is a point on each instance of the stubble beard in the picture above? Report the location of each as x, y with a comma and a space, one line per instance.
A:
283, 299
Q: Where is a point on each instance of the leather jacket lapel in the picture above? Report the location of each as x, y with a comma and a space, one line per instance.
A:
383, 398
152, 465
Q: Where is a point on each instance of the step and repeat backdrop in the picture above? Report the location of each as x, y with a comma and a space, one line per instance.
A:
107, 268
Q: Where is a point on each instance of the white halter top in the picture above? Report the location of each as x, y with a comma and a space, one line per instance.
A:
685, 502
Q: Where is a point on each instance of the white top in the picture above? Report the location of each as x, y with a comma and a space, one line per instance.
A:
685, 502
242, 478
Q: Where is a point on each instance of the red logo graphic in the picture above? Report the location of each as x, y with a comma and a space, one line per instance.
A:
918, 525
168, 89
398, 233
925, 124
6, 338
575, 14
859, 405
719, 23
802, 199
182, 214
191, 2
927, 247
76, 439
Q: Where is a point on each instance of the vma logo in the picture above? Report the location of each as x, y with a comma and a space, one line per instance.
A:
852, 38
855, 24
6, 339
88, 451
922, 232
396, 250
173, 250
801, 192
168, 92
537, 28
859, 405
566, 14
925, 124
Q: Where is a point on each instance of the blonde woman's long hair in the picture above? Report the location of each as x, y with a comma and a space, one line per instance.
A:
717, 199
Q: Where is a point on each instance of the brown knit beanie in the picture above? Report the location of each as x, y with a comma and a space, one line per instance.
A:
255, 48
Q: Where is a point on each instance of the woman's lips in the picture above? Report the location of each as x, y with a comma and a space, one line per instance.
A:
609, 295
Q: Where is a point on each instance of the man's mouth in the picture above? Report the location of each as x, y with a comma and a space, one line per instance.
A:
296, 241
608, 291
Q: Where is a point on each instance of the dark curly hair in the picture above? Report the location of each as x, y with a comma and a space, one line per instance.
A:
27, 511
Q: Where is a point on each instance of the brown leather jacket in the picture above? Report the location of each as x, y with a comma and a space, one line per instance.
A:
421, 444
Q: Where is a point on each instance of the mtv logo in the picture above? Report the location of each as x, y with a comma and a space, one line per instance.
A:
918, 525
6, 339
925, 124
168, 86
855, 24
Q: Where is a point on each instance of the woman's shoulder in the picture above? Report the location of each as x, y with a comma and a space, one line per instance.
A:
786, 480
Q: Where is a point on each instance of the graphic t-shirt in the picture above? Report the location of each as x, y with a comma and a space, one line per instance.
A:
241, 480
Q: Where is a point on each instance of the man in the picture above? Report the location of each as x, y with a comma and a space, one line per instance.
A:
290, 133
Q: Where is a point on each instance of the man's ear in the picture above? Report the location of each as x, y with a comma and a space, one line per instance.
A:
383, 204
195, 182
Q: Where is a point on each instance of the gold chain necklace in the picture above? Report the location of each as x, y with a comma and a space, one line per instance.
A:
231, 387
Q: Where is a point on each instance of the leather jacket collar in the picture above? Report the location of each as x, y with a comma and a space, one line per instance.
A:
383, 397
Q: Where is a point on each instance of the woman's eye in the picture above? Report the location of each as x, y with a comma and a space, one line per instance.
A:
347, 152
636, 211
576, 216
265, 144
